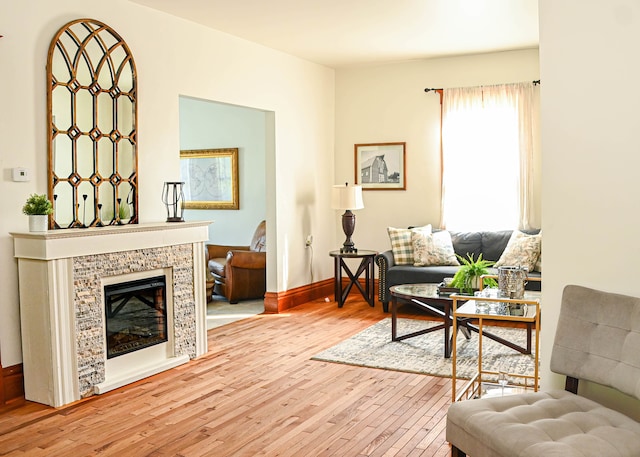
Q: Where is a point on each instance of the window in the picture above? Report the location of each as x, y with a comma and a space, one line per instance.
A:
486, 157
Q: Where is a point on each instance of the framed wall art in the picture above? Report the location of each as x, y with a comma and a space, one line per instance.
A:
210, 178
381, 166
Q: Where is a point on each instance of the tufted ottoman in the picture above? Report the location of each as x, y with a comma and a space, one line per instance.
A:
556, 423
597, 340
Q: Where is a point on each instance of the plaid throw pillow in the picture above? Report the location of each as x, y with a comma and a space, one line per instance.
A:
401, 244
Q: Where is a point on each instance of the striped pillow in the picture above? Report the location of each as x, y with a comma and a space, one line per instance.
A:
401, 244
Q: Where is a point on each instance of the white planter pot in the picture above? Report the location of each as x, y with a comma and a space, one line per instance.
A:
38, 222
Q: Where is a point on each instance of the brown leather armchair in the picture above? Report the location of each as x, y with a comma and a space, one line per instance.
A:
239, 272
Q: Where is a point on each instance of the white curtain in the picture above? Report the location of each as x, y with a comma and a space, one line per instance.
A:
487, 157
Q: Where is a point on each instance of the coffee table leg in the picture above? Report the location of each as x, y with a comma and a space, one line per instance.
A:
394, 313
447, 331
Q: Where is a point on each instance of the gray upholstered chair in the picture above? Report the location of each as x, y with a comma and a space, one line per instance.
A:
597, 340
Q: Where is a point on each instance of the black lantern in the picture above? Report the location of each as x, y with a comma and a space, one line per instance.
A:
173, 199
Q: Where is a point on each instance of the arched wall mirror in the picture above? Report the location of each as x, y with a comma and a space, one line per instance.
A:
92, 119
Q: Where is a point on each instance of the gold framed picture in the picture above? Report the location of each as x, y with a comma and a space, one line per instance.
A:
210, 178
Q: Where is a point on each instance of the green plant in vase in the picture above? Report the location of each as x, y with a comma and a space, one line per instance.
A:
467, 278
123, 212
36, 205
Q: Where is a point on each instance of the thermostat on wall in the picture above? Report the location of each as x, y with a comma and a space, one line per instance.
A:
20, 174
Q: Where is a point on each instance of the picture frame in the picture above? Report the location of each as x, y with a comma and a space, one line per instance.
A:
381, 166
210, 178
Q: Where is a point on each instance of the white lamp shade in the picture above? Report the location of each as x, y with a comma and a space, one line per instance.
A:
347, 196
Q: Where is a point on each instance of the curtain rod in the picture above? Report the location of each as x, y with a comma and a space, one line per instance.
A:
428, 89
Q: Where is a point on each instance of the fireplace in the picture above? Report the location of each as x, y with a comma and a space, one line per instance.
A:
154, 273
135, 315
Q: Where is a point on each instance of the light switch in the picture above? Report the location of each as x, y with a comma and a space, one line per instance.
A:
21, 174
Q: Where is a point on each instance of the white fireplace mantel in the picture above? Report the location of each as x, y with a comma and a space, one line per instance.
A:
59, 244
55, 300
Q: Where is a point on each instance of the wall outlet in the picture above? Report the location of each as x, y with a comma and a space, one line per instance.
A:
309, 241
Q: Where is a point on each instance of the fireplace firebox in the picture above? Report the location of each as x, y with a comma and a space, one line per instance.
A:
136, 315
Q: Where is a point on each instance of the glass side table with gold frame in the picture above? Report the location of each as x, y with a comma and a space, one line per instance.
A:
517, 310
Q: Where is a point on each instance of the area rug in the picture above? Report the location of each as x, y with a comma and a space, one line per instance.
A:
424, 354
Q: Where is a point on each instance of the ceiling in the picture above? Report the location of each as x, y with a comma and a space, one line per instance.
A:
340, 33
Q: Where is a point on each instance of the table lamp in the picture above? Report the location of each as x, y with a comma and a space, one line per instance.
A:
347, 197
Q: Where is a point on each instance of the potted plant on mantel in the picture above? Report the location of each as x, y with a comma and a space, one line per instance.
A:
467, 278
38, 207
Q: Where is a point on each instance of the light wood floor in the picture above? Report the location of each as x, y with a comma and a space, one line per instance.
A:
255, 393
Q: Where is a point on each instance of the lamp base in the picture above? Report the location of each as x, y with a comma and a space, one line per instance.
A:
175, 219
348, 225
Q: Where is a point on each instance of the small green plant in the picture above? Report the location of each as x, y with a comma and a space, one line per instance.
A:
37, 205
468, 275
123, 211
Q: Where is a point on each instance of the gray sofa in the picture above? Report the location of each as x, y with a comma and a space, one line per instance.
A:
593, 342
490, 244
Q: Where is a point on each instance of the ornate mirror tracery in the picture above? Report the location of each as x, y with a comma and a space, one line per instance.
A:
92, 118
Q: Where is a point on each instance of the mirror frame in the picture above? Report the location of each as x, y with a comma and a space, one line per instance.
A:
90, 49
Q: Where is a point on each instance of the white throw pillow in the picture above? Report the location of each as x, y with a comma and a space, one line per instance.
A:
538, 266
401, 243
522, 250
433, 249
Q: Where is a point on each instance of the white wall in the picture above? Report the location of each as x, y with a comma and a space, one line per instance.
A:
591, 157
387, 103
173, 57
209, 125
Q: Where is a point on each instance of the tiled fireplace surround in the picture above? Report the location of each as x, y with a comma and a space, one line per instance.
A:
62, 276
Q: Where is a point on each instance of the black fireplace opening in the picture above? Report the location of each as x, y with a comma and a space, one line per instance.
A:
136, 315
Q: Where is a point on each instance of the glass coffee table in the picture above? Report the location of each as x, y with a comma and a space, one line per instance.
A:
428, 298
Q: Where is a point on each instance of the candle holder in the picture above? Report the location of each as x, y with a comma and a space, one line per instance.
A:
84, 210
173, 199
99, 223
